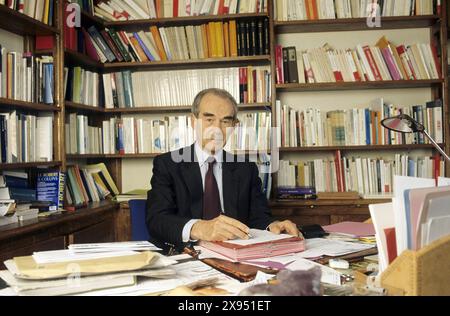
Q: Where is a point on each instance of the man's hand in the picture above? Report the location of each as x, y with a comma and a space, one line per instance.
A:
221, 228
285, 227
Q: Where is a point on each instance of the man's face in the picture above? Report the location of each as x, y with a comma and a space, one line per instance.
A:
215, 122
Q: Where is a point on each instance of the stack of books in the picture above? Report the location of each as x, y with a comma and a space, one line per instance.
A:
382, 62
83, 86
41, 10
293, 10
91, 183
296, 193
115, 10
25, 77
178, 88
18, 137
357, 174
312, 127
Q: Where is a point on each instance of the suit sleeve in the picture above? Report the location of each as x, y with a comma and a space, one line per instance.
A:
260, 214
162, 220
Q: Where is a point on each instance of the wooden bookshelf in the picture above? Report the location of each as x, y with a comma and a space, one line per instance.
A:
115, 156
192, 63
190, 20
357, 148
358, 24
366, 85
83, 108
28, 165
28, 106
21, 24
156, 109
82, 60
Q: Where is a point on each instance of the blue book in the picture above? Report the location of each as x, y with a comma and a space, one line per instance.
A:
23, 195
15, 182
50, 188
144, 47
48, 83
368, 129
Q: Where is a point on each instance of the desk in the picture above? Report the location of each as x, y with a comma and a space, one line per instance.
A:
101, 222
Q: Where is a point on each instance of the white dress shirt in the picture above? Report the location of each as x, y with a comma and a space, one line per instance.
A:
202, 158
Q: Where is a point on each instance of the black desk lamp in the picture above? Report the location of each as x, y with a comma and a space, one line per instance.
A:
406, 124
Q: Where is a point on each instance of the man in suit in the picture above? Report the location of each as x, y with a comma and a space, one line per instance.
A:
202, 192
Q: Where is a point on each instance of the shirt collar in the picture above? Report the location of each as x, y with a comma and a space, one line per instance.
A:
202, 155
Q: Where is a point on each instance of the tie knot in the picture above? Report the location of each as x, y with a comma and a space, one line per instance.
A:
211, 161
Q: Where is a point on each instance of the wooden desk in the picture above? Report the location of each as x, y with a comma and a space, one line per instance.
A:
101, 222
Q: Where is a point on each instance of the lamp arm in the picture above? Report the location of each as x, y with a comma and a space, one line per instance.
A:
436, 145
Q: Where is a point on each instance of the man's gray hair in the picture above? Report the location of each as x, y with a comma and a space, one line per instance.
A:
218, 93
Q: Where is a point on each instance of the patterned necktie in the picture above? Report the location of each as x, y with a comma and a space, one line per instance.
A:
211, 196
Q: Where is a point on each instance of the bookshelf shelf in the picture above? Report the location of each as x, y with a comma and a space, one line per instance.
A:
359, 24
26, 165
190, 20
85, 108
400, 84
157, 109
21, 24
16, 104
80, 59
312, 203
186, 64
117, 156
356, 148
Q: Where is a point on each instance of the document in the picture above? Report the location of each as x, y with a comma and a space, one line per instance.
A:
319, 247
401, 184
114, 246
383, 218
59, 256
258, 236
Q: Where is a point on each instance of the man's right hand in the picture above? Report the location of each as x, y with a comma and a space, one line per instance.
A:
221, 228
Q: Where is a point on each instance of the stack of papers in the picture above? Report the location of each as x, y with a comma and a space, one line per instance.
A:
351, 229
114, 247
65, 272
262, 244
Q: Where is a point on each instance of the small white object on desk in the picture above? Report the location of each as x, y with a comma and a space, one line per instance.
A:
339, 264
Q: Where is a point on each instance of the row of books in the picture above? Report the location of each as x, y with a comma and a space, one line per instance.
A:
41, 10
356, 174
26, 138
295, 10
116, 10
382, 62
90, 183
212, 40
25, 77
130, 135
355, 127
83, 86
176, 88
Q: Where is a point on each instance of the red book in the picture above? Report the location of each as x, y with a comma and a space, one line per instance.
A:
111, 45
175, 8
226, 9
159, 9
437, 168
436, 59
254, 88
44, 42
337, 163
90, 48
391, 243
401, 50
221, 7
372, 63
279, 63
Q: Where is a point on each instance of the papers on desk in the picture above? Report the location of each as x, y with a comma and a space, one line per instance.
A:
114, 247
263, 244
351, 229
418, 216
319, 247
59, 256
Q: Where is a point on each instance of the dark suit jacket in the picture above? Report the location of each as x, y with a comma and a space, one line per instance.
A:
176, 196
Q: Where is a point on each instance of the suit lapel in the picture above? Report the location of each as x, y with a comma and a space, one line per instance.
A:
230, 182
192, 177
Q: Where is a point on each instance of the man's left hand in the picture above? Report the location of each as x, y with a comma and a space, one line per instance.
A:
285, 227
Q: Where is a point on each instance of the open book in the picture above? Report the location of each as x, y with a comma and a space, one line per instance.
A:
262, 244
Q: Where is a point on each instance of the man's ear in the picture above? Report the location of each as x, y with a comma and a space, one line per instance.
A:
192, 118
